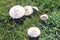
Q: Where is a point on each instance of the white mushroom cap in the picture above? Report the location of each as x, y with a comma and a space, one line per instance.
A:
44, 17
17, 12
36, 8
33, 32
28, 10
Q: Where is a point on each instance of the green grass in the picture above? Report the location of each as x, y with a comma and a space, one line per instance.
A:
10, 30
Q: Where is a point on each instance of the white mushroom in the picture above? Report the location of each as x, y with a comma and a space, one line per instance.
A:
28, 10
44, 17
17, 12
33, 32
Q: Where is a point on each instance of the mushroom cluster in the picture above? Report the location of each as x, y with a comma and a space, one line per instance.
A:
19, 11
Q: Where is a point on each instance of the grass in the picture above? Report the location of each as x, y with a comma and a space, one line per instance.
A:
10, 30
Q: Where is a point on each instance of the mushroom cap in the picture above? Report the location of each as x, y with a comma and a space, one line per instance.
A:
28, 10
33, 32
17, 11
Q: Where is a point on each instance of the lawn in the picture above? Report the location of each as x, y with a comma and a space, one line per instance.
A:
11, 30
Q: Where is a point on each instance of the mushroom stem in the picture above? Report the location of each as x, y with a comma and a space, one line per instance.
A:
34, 38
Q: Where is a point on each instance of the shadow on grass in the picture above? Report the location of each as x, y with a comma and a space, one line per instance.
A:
19, 21
48, 24
35, 12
